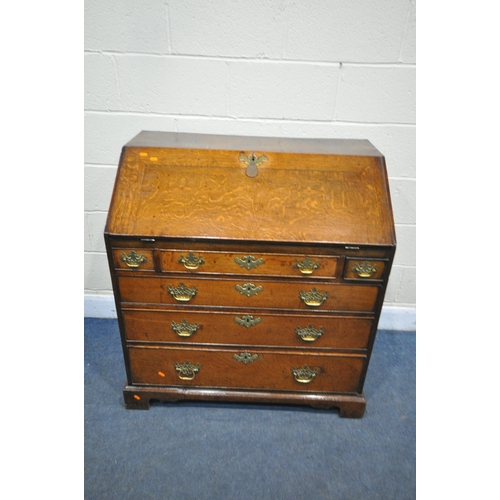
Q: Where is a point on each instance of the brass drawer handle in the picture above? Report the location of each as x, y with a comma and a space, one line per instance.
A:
313, 298
309, 333
184, 328
182, 293
133, 259
365, 270
304, 375
248, 320
186, 370
249, 289
191, 261
249, 262
306, 266
245, 357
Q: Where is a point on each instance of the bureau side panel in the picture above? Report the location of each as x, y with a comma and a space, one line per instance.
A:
117, 299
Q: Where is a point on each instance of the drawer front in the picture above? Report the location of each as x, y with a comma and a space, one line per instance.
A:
230, 368
249, 264
247, 328
133, 259
248, 294
364, 269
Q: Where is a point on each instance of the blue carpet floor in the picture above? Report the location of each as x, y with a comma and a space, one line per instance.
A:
194, 450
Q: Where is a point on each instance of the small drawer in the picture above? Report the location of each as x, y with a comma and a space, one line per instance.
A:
254, 294
249, 264
134, 259
364, 269
246, 369
247, 328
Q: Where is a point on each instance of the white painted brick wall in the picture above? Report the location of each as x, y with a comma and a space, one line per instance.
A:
228, 28
294, 68
282, 90
346, 30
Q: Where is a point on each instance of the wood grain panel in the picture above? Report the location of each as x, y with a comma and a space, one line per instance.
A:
221, 327
294, 198
272, 264
146, 264
271, 370
223, 293
377, 269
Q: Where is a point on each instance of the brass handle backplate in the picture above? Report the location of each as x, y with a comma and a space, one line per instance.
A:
133, 259
253, 162
365, 270
248, 320
245, 357
184, 328
191, 261
313, 298
306, 266
309, 333
305, 374
186, 370
249, 289
249, 262
182, 293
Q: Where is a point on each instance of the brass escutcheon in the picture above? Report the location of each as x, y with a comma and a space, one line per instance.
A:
184, 328
313, 298
191, 261
245, 357
309, 333
133, 259
182, 293
304, 375
365, 270
249, 289
253, 162
248, 320
186, 370
249, 262
307, 266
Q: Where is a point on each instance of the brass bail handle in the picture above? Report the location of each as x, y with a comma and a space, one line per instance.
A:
253, 162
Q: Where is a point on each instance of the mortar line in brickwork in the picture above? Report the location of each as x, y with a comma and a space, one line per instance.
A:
339, 78
267, 60
169, 38
87, 211
117, 77
403, 38
228, 86
246, 118
100, 165
285, 35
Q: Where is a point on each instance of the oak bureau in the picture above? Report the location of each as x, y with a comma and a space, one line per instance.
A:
249, 269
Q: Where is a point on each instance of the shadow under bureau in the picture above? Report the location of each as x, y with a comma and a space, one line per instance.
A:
249, 269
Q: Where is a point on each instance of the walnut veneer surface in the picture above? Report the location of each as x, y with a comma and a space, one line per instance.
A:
249, 269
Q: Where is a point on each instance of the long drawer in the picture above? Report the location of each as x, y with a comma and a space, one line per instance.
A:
254, 264
257, 369
248, 294
248, 328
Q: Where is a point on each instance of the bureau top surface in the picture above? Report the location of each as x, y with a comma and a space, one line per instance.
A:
306, 191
